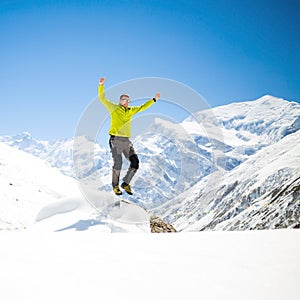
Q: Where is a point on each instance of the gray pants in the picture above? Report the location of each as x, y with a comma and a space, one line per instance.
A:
118, 146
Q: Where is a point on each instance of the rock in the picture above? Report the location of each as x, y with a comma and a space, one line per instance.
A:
157, 225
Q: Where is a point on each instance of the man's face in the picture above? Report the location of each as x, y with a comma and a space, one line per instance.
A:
124, 101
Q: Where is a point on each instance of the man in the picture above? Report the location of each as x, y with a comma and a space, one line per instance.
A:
120, 132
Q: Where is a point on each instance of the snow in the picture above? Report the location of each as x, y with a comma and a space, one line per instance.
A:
67, 249
27, 184
248, 188
61, 153
220, 138
93, 264
79, 214
245, 123
73, 253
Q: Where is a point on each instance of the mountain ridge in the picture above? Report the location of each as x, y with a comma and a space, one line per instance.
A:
174, 158
214, 203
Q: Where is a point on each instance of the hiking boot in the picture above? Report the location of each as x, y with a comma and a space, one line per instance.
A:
127, 188
117, 190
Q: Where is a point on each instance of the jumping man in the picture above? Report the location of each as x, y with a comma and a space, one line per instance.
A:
120, 132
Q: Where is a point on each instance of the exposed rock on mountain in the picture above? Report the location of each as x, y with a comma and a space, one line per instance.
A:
157, 225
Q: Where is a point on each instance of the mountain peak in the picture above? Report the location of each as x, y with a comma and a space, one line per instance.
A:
24, 136
269, 100
25, 133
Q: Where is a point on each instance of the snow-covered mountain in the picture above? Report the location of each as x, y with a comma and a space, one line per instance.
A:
206, 148
176, 156
27, 183
249, 178
60, 153
246, 127
261, 193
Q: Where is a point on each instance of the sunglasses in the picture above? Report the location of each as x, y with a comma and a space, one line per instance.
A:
125, 100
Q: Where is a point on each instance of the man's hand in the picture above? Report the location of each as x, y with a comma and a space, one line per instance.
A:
101, 81
157, 96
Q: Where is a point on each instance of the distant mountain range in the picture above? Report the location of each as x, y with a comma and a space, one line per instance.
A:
219, 169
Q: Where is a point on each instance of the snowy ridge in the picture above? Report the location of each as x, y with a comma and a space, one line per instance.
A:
27, 184
261, 193
246, 127
60, 153
177, 156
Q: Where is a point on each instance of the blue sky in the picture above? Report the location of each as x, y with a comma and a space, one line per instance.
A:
53, 52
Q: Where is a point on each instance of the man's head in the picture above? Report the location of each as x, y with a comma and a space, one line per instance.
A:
124, 100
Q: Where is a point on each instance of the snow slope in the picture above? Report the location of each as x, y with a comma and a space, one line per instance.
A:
91, 264
27, 184
99, 208
263, 192
31, 190
68, 254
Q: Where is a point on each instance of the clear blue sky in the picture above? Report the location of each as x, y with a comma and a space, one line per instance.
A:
53, 52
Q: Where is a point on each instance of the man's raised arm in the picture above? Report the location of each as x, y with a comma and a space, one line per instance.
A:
147, 104
102, 98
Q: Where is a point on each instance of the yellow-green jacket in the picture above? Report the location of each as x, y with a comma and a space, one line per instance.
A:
120, 122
